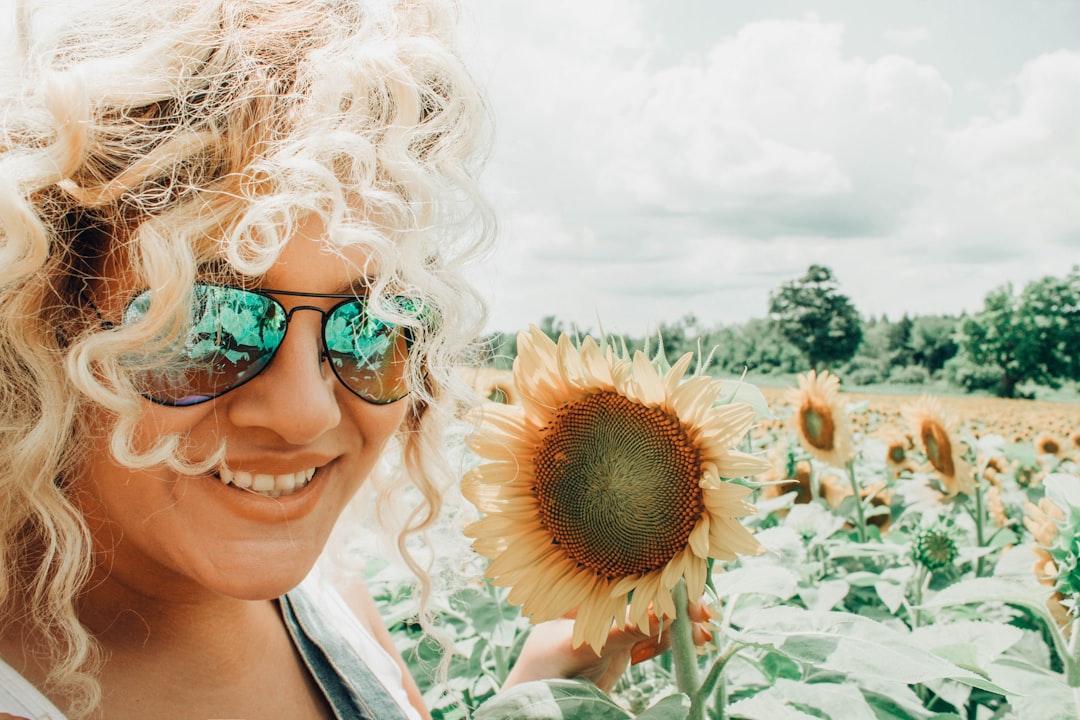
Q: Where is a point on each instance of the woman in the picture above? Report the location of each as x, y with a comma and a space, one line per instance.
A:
229, 281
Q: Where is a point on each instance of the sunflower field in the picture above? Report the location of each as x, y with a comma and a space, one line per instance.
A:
906, 558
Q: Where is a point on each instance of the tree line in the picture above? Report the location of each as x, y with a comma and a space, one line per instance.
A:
1030, 335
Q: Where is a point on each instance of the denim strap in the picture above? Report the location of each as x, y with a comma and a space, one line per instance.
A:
351, 688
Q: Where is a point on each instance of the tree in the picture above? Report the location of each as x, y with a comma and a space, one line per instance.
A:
1034, 336
933, 340
815, 317
899, 338
552, 327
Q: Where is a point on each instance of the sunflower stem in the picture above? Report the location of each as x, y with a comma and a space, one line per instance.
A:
1072, 662
715, 679
979, 513
721, 698
922, 579
860, 516
684, 652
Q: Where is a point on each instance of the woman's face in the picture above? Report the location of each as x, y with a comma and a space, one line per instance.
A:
171, 535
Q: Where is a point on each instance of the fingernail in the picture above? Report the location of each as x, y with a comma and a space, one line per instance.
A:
641, 654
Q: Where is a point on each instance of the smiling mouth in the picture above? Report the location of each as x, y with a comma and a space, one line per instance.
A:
271, 486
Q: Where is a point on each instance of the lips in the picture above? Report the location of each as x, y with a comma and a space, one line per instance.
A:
266, 484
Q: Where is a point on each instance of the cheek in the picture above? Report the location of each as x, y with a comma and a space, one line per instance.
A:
374, 425
117, 489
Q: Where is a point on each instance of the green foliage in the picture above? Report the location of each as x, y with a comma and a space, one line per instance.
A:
933, 341
816, 318
1015, 340
963, 372
1031, 336
756, 346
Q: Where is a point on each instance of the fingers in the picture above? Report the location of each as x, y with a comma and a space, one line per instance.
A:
657, 640
699, 611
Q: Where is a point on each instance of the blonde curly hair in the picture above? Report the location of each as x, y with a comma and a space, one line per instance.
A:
187, 138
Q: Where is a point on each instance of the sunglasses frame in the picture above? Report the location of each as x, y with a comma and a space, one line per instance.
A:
346, 298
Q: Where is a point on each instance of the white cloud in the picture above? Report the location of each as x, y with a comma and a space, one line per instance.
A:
643, 190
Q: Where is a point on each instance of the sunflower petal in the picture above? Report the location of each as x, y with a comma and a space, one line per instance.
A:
650, 391
699, 537
675, 374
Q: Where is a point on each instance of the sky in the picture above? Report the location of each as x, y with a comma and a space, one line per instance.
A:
659, 158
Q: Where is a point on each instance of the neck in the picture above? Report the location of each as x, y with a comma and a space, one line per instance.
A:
189, 633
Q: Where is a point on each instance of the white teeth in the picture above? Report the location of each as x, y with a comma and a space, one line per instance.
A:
265, 483
262, 483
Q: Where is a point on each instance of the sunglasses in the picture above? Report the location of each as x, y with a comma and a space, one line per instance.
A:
232, 335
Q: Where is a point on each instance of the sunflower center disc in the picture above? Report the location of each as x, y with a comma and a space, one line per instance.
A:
617, 484
938, 448
817, 424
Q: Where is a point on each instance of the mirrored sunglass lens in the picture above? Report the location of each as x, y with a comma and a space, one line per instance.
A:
367, 354
231, 336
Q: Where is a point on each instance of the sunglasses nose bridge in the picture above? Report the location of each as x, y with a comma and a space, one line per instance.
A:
322, 313
292, 311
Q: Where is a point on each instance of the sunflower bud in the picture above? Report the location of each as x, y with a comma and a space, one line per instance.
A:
935, 549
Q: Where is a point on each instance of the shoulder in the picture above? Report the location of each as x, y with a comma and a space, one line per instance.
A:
346, 604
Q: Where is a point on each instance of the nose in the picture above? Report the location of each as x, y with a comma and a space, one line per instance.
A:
295, 396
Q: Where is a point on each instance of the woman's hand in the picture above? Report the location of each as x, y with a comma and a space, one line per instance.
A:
548, 652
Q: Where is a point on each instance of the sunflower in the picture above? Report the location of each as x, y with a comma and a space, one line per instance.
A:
836, 489
934, 430
785, 475
607, 483
897, 460
1047, 445
491, 384
995, 506
821, 419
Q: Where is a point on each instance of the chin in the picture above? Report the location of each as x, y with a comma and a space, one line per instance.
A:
259, 576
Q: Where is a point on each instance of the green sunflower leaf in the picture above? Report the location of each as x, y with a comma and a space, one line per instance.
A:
817, 700
553, 700
850, 644
737, 391
673, 707
1045, 695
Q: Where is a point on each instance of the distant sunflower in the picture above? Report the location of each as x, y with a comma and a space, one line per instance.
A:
1047, 445
608, 481
821, 419
836, 489
896, 453
897, 460
995, 506
996, 467
934, 430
